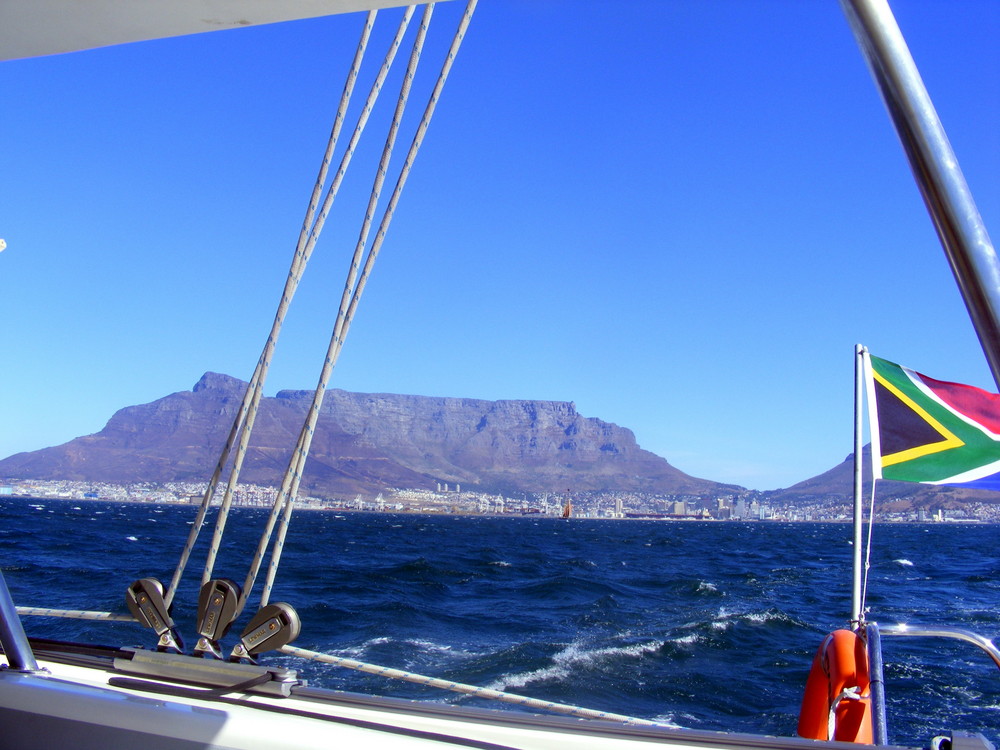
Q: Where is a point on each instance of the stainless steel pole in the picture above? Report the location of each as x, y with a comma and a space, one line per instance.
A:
880, 725
956, 218
12, 637
857, 616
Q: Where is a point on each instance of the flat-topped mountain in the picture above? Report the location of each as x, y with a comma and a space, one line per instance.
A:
365, 443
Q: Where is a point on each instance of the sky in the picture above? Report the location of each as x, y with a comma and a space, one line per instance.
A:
680, 216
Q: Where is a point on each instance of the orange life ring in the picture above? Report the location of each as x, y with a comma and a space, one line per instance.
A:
838, 683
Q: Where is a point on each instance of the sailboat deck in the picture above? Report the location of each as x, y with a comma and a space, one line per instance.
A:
83, 689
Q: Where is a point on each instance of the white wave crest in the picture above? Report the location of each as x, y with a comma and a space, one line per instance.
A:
759, 618
688, 640
435, 648
904, 562
667, 720
428, 647
725, 619
554, 672
573, 657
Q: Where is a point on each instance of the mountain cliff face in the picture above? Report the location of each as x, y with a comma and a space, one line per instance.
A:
364, 443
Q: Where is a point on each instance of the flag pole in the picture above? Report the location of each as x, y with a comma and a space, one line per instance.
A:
857, 616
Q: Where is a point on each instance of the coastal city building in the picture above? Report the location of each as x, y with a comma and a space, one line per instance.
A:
747, 506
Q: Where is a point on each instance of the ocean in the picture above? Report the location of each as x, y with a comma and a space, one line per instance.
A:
703, 625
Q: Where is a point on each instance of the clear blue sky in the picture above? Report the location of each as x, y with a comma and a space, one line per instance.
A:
679, 215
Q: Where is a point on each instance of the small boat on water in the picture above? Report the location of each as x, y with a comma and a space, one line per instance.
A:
170, 696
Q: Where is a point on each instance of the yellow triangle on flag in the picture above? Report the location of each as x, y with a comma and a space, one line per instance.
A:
949, 441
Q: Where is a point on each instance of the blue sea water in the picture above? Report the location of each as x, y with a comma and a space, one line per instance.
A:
704, 625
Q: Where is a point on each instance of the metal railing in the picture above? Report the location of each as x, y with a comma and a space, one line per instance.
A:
12, 637
958, 634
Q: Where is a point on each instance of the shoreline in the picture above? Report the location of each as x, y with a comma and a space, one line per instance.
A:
471, 514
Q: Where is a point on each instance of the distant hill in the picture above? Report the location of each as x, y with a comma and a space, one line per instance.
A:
838, 483
365, 443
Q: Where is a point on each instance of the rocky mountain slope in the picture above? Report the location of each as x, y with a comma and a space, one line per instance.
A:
365, 443
838, 483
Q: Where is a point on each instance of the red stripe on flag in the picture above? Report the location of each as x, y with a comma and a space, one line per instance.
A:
975, 403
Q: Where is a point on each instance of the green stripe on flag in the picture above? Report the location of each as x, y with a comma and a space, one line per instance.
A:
942, 444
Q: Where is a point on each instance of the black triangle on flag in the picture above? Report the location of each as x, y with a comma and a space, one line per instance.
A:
900, 427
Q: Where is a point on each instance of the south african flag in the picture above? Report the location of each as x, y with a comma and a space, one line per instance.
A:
931, 431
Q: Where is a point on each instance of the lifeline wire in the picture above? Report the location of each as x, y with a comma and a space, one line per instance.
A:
459, 687
336, 342
73, 614
243, 422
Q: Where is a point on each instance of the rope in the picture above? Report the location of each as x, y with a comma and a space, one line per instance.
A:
847, 694
344, 318
243, 424
868, 554
458, 687
73, 614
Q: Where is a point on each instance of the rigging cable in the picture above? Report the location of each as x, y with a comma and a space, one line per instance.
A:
246, 414
369, 264
346, 316
868, 551
223, 514
314, 231
289, 485
293, 475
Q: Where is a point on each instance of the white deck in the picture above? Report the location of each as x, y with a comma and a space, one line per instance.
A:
77, 704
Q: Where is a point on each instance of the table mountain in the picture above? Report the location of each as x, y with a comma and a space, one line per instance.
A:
365, 443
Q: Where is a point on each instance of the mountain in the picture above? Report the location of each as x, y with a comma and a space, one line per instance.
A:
365, 443
838, 484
